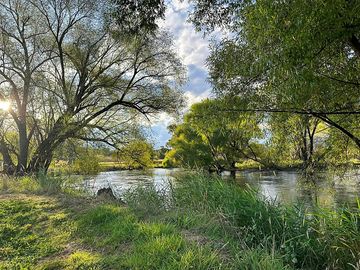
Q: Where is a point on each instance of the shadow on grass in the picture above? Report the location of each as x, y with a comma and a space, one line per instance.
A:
40, 232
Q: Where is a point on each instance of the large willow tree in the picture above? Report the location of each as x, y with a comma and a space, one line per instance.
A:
293, 57
70, 70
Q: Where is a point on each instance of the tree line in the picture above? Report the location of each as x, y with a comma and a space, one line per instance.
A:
289, 71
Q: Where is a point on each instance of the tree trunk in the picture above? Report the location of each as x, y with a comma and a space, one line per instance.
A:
304, 148
23, 150
8, 164
233, 170
40, 162
42, 157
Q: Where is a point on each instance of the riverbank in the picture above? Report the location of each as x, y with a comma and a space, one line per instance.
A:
107, 166
205, 224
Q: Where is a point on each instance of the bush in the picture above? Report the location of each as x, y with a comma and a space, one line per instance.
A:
86, 165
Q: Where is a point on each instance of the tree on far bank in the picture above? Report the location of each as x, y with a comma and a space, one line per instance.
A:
137, 154
213, 139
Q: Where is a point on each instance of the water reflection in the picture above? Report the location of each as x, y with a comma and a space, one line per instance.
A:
283, 186
121, 181
290, 187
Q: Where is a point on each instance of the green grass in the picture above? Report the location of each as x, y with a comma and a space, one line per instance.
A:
206, 224
117, 166
30, 229
68, 232
255, 233
313, 239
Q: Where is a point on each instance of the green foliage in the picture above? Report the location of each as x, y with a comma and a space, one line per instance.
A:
44, 233
135, 17
283, 57
160, 153
22, 184
41, 184
258, 234
213, 138
86, 164
144, 245
146, 200
257, 259
313, 239
136, 154
205, 224
90, 95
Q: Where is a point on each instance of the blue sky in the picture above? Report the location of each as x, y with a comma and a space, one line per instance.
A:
193, 49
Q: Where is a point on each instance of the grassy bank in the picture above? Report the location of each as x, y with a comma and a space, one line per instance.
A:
69, 231
118, 166
205, 224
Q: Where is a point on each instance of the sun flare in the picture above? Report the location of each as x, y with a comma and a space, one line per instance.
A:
4, 105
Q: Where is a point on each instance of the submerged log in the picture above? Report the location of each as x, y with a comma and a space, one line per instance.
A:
106, 193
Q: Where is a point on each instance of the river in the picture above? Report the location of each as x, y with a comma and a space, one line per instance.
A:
283, 186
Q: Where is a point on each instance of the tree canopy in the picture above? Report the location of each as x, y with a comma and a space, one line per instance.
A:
299, 57
137, 154
213, 139
70, 72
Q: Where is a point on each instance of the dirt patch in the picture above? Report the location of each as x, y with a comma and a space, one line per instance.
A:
199, 239
195, 237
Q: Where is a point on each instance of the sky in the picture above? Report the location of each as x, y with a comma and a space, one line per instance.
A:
193, 49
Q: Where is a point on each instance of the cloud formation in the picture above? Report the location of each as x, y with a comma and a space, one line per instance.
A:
193, 50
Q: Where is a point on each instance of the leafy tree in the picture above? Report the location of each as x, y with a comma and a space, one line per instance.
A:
299, 57
134, 16
296, 137
86, 164
137, 154
161, 152
70, 72
214, 139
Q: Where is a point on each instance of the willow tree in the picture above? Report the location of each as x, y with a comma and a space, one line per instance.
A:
215, 140
299, 57
70, 72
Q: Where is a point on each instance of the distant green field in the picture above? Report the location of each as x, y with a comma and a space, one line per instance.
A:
115, 165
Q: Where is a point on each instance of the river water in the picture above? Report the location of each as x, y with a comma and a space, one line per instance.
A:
283, 186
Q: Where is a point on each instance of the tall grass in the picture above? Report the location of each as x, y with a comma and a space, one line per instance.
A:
316, 238
42, 183
134, 244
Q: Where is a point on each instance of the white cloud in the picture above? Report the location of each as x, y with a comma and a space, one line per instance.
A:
192, 98
165, 119
193, 49
191, 46
180, 5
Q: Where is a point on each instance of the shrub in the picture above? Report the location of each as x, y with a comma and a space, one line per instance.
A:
86, 165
